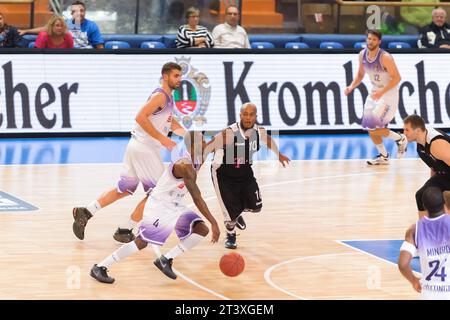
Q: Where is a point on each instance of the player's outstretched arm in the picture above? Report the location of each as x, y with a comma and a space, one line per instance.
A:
272, 145
220, 140
142, 118
190, 177
404, 261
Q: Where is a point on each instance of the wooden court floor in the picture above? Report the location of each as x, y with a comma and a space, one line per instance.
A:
290, 248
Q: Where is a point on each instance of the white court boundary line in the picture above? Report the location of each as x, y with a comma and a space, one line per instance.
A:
275, 266
370, 254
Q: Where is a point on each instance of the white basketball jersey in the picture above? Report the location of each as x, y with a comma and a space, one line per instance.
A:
161, 120
168, 188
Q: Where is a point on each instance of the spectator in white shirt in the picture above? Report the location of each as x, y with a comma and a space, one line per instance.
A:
230, 34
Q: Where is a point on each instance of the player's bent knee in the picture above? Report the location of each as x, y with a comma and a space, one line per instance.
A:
140, 243
200, 228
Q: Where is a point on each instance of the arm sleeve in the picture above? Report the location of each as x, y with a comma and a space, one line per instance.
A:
41, 40
209, 40
424, 39
95, 37
183, 40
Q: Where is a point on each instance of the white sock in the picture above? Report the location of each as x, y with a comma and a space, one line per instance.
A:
394, 135
184, 245
130, 224
124, 251
94, 206
381, 149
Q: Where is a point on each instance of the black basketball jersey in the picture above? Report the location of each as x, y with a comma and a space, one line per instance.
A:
425, 154
236, 159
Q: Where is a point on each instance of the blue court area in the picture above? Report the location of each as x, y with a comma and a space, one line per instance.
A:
111, 150
388, 250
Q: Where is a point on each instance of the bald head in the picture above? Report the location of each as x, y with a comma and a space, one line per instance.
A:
248, 115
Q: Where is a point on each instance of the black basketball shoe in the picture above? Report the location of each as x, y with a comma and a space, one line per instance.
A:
124, 235
230, 243
240, 223
165, 265
101, 274
81, 217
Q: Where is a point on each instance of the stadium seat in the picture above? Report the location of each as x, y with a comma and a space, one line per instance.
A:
331, 45
152, 45
296, 45
117, 45
262, 45
360, 45
398, 45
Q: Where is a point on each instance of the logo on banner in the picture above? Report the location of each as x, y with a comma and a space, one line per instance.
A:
192, 98
10, 203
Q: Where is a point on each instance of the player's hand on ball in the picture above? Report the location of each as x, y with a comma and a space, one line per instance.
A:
215, 233
282, 158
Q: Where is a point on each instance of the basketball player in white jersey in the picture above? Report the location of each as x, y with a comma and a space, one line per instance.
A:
142, 161
381, 105
165, 212
430, 236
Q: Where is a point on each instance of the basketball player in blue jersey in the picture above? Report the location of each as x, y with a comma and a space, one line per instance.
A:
231, 171
430, 236
433, 147
381, 105
165, 212
142, 161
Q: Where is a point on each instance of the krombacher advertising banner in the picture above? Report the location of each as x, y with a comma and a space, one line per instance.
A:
103, 92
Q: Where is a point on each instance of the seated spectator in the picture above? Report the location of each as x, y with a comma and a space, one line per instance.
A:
9, 35
56, 35
192, 35
230, 34
437, 33
86, 34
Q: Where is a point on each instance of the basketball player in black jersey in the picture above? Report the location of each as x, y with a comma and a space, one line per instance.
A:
234, 182
433, 147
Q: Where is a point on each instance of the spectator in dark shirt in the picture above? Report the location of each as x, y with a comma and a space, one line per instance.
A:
437, 33
9, 35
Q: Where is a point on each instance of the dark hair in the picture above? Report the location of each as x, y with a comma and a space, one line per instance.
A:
375, 33
415, 121
79, 3
169, 66
231, 6
433, 201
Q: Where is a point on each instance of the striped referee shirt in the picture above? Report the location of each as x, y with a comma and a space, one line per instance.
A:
186, 36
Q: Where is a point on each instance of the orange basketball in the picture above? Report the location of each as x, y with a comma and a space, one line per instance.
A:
232, 264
